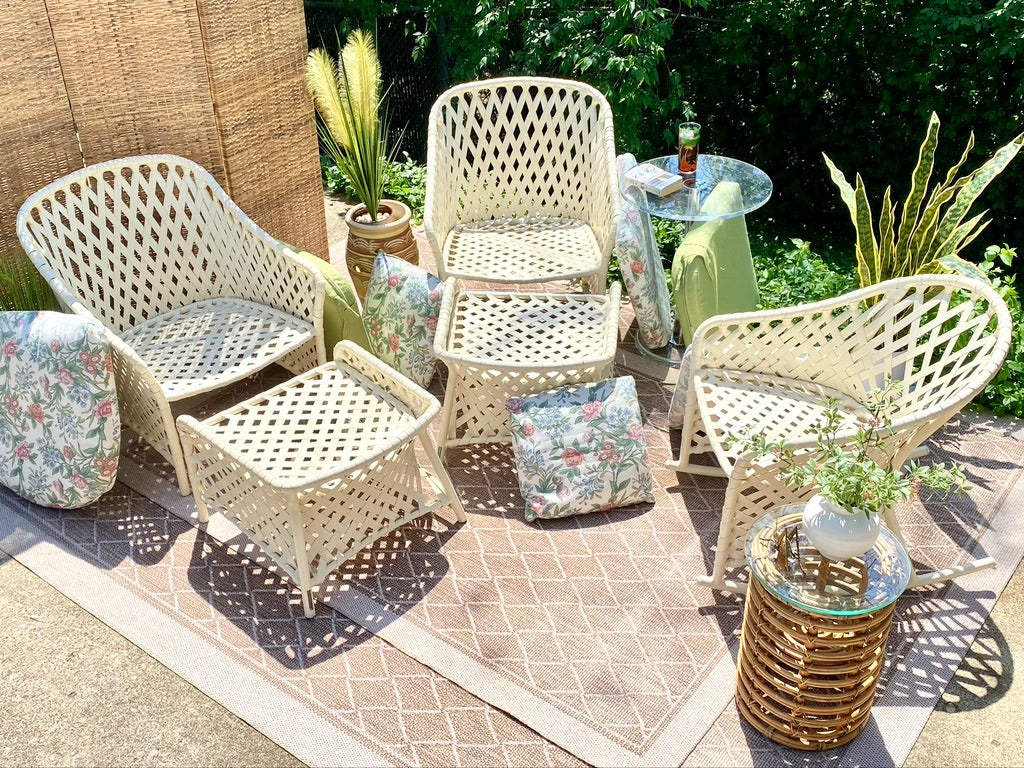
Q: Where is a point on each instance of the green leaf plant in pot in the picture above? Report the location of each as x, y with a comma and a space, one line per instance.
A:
856, 485
926, 237
347, 96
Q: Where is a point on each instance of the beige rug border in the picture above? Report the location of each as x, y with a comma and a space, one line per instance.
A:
676, 739
286, 720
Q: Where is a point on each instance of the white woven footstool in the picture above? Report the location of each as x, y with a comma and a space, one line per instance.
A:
319, 467
499, 345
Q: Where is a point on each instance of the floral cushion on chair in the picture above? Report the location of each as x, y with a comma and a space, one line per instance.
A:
580, 449
640, 262
400, 315
60, 432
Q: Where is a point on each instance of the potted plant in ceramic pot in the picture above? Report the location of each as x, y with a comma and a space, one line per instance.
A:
347, 95
855, 489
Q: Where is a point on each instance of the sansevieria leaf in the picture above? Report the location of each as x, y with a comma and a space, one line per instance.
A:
959, 266
920, 179
887, 245
979, 180
867, 248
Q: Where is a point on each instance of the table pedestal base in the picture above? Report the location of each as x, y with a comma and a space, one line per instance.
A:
807, 681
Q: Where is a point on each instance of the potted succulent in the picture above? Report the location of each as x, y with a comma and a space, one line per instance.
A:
854, 489
347, 96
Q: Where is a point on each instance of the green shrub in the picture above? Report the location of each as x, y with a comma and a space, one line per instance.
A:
793, 274
1005, 393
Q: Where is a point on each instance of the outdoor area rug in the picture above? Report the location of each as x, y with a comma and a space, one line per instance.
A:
505, 642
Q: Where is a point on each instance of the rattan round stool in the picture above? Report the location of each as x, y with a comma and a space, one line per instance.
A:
814, 634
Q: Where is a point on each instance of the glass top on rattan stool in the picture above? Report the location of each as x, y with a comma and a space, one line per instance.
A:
687, 204
788, 566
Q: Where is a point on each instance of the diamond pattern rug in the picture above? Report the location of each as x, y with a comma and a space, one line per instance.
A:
498, 641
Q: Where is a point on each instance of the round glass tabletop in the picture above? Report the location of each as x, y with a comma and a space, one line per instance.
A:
788, 566
688, 204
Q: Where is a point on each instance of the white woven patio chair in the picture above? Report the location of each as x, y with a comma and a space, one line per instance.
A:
193, 294
521, 182
775, 370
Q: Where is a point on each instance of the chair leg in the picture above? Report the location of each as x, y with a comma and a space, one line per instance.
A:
443, 478
301, 557
923, 578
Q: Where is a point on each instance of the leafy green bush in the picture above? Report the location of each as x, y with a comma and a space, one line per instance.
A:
405, 181
794, 274
777, 82
1005, 393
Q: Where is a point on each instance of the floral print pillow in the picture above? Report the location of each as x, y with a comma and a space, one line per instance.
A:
581, 449
60, 432
642, 271
400, 315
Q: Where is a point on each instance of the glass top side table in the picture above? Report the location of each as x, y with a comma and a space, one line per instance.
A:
689, 205
686, 204
795, 575
812, 647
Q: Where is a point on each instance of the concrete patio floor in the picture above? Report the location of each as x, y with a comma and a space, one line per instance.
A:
75, 692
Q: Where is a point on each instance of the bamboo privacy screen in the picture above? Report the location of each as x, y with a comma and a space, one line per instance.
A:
217, 81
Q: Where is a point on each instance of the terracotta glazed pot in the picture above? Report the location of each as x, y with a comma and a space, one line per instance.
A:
391, 233
836, 533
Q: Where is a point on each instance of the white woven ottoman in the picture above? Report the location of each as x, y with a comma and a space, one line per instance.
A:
499, 345
319, 467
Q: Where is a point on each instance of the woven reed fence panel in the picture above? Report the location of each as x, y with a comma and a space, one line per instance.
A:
136, 79
219, 82
256, 50
37, 133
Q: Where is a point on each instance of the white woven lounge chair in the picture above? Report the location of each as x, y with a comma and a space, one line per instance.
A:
193, 294
521, 182
774, 370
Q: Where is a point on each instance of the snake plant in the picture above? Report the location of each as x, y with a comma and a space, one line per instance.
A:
929, 239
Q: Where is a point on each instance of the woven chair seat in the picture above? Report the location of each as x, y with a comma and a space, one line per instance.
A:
528, 250
210, 344
780, 407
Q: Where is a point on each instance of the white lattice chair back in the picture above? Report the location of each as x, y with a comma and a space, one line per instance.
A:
521, 147
943, 336
139, 236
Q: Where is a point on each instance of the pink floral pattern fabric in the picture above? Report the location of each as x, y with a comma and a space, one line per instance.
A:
580, 449
400, 315
60, 432
640, 262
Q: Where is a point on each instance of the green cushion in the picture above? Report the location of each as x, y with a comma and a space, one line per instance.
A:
713, 272
342, 318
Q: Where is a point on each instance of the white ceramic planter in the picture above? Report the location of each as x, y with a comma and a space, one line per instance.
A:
837, 533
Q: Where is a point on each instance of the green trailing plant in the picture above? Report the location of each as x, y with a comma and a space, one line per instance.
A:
844, 468
22, 288
347, 96
926, 237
